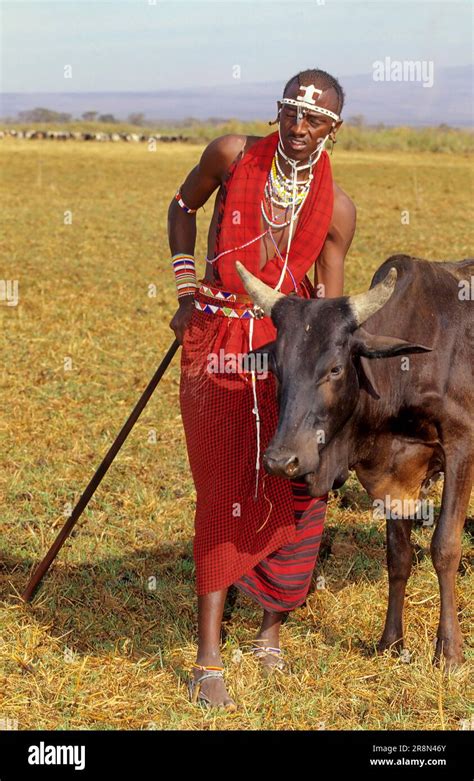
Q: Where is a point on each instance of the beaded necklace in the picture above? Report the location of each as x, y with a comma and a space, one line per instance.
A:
281, 190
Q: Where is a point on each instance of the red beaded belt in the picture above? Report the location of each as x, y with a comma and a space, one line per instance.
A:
216, 301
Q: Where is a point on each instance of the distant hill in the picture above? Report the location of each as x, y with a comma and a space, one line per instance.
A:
449, 101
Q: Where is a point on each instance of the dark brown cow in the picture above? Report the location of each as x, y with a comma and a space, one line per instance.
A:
350, 398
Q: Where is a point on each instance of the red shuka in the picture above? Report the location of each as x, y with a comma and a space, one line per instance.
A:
242, 220
234, 531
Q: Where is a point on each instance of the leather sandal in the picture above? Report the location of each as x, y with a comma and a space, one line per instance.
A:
276, 653
194, 686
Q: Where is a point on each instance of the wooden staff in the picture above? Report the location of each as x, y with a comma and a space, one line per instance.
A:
44, 566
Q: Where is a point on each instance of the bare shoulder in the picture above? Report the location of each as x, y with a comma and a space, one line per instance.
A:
251, 140
226, 146
221, 152
343, 222
344, 206
212, 169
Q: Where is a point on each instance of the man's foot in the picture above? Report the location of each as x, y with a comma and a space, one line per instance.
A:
269, 656
211, 689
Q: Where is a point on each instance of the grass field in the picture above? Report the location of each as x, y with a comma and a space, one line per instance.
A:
98, 648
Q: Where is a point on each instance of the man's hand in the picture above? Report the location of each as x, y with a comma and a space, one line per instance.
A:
182, 317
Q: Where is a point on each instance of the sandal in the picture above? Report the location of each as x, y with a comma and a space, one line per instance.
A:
276, 653
194, 686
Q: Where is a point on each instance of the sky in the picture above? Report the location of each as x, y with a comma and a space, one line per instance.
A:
147, 45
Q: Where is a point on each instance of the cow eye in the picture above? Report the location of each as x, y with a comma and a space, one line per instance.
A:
336, 371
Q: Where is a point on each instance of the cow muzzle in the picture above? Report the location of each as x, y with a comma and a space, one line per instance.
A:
282, 463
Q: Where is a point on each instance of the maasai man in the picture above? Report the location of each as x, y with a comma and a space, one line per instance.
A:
279, 212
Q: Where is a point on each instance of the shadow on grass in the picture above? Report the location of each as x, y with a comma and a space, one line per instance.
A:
147, 596
146, 600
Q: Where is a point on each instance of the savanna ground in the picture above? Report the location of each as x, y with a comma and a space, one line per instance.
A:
98, 648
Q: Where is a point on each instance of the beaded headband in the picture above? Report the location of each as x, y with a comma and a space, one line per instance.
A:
306, 102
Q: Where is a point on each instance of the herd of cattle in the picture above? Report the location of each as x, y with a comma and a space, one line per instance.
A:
71, 135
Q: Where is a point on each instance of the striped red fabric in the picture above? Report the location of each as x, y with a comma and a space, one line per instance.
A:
281, 581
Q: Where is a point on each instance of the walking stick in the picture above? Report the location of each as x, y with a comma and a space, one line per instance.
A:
44, 566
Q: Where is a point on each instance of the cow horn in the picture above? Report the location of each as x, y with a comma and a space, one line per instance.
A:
261, 294
364, 305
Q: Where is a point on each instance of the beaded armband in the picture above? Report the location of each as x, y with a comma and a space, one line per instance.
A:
185, 274
182, 203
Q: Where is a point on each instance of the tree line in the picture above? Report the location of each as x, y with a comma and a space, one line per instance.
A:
40, 114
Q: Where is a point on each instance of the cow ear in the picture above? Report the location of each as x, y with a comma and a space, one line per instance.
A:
265, 349
268, 350
366, 378
374, 346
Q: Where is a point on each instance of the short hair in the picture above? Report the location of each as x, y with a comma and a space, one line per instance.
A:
320, 78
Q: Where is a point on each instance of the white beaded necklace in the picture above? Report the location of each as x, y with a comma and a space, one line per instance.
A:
294, 181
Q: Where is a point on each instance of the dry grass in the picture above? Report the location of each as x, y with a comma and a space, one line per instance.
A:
98, 648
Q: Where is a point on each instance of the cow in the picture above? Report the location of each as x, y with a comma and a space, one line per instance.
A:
381, 383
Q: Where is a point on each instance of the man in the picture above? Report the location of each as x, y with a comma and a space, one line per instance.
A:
279, 212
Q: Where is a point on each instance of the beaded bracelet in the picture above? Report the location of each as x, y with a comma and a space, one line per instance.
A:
185, 274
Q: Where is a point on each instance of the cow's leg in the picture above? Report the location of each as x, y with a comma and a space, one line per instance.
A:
399, 561
446, 552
